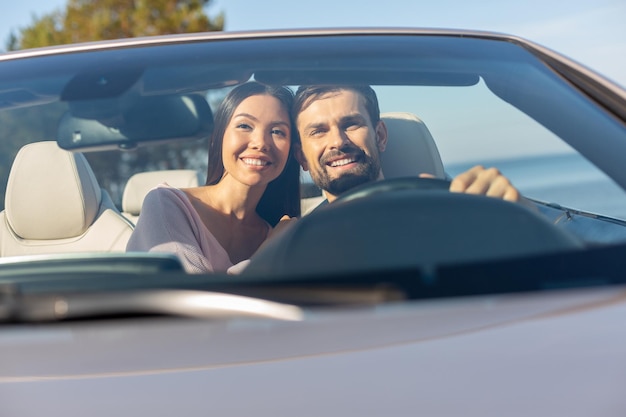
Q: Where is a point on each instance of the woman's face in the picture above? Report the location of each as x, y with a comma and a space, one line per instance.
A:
257, 141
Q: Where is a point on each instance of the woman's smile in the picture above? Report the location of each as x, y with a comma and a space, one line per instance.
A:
256, 162
257, 140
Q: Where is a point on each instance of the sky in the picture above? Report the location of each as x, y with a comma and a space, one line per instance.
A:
592, 33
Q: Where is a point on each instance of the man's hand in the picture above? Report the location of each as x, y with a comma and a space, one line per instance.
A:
282, 224
277, 230
485, 181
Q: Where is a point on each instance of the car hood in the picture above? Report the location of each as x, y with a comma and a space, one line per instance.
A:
552, 353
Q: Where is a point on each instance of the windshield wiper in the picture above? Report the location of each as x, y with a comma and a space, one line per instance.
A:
16, 307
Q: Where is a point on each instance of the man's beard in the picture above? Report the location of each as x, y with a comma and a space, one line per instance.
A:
367, 169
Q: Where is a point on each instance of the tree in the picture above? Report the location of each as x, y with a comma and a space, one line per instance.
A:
93, 20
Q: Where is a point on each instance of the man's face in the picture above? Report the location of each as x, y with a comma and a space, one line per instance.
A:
339, 145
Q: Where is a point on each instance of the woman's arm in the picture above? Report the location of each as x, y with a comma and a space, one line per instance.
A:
167, 224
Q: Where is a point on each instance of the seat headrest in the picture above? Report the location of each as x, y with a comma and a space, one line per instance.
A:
51, 193
139, 184
411, 149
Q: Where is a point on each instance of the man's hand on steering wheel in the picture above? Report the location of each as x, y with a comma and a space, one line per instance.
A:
478, 180
484, 181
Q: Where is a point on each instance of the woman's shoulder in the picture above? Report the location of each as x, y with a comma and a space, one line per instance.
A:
165, 195
165, 191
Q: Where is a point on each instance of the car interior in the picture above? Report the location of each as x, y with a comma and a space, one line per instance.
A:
139, 184
411, 150
54, 204
84, 219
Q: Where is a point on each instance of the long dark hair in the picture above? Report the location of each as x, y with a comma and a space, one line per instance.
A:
282, 196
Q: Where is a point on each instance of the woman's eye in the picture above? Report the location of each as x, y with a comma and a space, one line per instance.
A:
278, 132
243, 126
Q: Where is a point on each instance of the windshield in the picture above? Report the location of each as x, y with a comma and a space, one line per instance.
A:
471, 120
137, 109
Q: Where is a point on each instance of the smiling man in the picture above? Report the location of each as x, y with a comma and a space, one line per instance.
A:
342, 136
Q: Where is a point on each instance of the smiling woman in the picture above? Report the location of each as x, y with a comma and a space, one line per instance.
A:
252, 181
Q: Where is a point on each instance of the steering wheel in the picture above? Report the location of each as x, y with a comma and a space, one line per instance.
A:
403, 223
394, 184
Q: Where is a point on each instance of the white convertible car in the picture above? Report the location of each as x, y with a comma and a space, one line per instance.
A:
398, 299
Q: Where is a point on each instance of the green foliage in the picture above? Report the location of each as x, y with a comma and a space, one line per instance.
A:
94, 20
44, 32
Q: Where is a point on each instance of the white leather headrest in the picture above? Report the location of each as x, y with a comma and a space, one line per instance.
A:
51, 193
411, 149
139, 184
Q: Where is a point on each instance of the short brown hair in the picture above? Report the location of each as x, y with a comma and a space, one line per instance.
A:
307, 94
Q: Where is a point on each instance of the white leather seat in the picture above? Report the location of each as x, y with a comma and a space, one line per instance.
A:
410, 151
53, 204
139, 184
